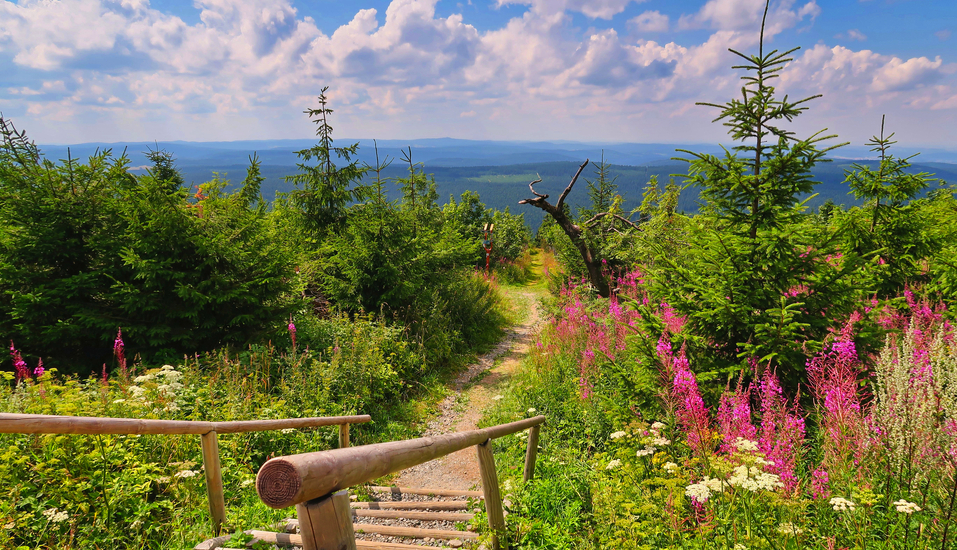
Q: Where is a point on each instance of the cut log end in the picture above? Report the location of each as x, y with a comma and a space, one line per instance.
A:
278, 483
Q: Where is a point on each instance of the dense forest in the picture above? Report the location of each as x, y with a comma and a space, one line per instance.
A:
760, 371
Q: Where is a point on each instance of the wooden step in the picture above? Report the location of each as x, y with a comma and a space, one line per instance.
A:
392, 505
287, 540
421, 516
428, 492
411, 532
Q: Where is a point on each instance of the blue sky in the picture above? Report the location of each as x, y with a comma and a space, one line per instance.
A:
587, 70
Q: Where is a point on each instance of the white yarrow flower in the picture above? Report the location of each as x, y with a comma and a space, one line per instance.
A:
247, 482
287, 430
617, 435
613, 464
143, 378
55, 516
647, 451
746, 445
841, 504
658, 426
905, 507
533, 410
670, 467
698, 491
186, 473
789, 529
660, 442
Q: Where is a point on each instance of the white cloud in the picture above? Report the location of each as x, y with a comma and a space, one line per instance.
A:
249, 67
649, 21
746, 15
596, 9
853, 34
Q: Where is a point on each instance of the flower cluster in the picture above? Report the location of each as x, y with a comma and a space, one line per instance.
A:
617, 435
55, 516
613, 464
842, 504
754, 480
905, 507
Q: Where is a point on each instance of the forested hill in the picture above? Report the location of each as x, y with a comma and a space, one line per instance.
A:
498, 171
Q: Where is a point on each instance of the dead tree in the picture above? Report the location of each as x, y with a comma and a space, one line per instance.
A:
574, 231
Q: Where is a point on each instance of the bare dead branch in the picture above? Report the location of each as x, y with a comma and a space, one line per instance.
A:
532, 189
594, 219
561, 199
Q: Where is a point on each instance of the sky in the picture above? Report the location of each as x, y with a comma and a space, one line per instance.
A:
74, 71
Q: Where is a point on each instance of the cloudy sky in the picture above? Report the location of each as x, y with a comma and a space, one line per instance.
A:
585, 70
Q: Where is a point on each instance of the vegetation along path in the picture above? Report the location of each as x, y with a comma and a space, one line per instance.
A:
474, 390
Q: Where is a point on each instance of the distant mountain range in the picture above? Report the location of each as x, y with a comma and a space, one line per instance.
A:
498, 170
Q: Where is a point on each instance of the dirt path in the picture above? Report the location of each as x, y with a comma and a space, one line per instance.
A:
462, 409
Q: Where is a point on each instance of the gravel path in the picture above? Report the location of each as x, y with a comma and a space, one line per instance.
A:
462, 409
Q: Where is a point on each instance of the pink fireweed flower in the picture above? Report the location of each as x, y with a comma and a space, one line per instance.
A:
782, 431
38, 372
833, 377
118, 347
19, 365
820, 484
734, 418
690, 411
292, 332
672, 320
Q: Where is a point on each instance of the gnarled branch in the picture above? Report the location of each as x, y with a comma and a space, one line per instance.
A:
594, 219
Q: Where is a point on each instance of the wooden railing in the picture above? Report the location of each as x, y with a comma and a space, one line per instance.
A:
90, 425
317, 483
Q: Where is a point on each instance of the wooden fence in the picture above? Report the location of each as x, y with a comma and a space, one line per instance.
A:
317, 483
86, 425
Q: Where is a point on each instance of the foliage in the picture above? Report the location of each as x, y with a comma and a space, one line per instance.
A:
90, 248
755, 282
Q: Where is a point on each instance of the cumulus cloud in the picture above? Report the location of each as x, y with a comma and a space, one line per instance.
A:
596, 9
256, 63
649, 21
746, 15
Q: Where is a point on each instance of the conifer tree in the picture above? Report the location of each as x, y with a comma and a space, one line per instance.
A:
326, 189
763, 286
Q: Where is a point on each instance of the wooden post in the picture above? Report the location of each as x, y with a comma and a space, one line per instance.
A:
214, 481
343, 436
326, 523
493, 498
531, 453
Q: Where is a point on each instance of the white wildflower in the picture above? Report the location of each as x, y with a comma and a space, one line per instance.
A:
658, 426
740, 546
789, 529
647, 451
617, 435
136, 391
532, 410
714, 485
508, 486
841, 504
746, 445
906, 507
287, 430
660, 442
55, 516
10, 525
186, 473
171, 407
143, 378
247, 482
119, 401
613, 464
136, 524
167, 368
698, 491
670, 467
762, 462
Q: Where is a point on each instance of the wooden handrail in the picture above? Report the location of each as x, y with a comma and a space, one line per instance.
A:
91, 425
289, 480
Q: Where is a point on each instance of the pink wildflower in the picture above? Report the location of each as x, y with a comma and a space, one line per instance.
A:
734, 418
19, 365
782, 431
292, 333
690, 411
820, 484
38, 372
118, 352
